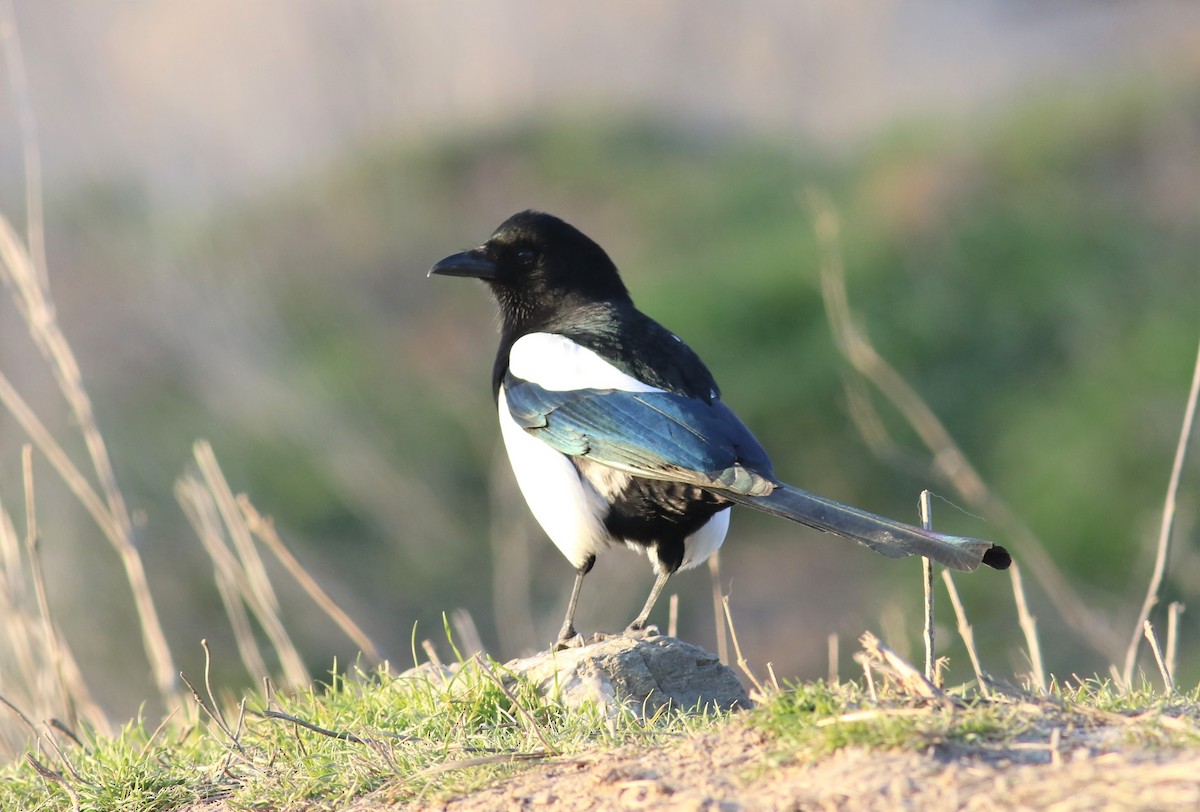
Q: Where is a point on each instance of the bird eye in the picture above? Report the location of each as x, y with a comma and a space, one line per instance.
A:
525, 256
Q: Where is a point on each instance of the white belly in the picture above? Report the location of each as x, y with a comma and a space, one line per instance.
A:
707, 540
567, 507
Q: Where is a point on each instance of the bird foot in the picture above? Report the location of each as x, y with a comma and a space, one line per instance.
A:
641, 632
573, 640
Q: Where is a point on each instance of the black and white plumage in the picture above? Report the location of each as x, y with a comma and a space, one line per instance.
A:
616, 431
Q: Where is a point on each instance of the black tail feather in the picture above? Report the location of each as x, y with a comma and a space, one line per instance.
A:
885, 536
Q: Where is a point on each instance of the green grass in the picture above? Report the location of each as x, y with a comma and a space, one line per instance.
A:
431, 732
814, 719
424, 732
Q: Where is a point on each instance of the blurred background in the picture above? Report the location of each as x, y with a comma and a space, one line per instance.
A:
241, 202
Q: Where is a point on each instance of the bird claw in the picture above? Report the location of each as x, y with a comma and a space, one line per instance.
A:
573, 640
577, 640
641, 632
569, 638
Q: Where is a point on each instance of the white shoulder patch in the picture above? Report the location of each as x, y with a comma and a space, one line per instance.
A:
557, 363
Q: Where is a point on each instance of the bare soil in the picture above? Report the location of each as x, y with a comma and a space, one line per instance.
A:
736, 767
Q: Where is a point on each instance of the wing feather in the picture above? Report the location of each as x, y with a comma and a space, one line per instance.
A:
656, 435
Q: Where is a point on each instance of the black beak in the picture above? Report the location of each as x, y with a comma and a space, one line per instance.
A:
471, 263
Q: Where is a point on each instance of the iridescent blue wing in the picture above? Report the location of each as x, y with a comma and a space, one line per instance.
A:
657, 435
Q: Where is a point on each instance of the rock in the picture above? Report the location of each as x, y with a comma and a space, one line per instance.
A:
643, 674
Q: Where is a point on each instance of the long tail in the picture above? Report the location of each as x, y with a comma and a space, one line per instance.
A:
885, 536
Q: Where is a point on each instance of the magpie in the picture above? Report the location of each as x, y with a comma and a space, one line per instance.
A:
615, 428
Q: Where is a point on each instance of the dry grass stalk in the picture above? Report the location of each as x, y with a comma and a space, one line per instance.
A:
20, 673
878, 656
947, 458
718, 599
431, 652
965, 632
8, 703
264, 530
834, 670
1152, 638
741, 661
868, 675
49, 634
465, 630
55, 776
927, 581
52, 741
19, 270
162, 725
939, 671
256, 580
1029, 628
31, 154
241, 574
58, 459
212, 697
774, 678
212, 713
259, 594
202, 514
1168, 522
340, 735
39, 672
19, 629
1173, 612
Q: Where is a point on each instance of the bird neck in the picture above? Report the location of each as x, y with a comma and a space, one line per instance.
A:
556, 313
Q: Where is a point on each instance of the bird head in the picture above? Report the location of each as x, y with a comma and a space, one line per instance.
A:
537, 264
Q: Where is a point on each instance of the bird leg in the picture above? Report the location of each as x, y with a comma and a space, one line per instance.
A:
639, 622
567, 636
